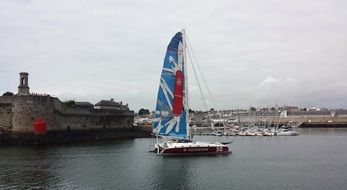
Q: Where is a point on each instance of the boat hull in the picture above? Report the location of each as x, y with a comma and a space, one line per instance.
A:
287, 134
196, 151
175, 147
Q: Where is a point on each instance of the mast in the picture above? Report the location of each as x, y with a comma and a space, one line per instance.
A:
186, 97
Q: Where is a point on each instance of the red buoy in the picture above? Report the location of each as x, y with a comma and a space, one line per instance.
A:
178, 94
40, 126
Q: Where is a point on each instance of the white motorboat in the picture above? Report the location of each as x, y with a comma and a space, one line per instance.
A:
286, 132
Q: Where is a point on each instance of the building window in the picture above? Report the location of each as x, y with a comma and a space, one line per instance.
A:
23, 81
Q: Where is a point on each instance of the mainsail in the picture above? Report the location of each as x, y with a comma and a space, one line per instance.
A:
171, 111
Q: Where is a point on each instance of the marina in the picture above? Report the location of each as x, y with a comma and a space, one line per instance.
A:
245, 131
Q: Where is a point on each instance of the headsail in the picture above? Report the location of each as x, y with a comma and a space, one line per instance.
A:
171, 112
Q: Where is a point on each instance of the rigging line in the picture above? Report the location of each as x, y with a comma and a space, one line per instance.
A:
205, 83
202, 76
197, 79
186, 92
198, 82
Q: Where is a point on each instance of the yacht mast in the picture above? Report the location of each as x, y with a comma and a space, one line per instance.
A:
186, 97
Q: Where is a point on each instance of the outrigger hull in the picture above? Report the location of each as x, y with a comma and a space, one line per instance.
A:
191, 148
194, 151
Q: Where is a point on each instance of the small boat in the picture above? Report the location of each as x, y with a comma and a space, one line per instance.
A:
171, 115
250, 133
286, 132
267, 133
242, 133
218, 133
258, 133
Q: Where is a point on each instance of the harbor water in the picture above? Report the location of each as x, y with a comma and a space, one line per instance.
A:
316, 159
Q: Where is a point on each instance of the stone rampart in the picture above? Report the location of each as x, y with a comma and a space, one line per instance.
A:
25, 109
5, 116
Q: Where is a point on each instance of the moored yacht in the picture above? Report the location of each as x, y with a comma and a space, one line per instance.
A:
286, 132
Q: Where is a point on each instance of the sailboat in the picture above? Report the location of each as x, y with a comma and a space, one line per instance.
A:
171, 114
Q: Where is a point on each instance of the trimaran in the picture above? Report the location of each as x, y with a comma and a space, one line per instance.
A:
171, 115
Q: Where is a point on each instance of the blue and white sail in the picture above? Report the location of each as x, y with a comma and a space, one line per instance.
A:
171, 110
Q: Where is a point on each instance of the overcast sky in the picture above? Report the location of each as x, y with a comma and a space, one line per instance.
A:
259, 53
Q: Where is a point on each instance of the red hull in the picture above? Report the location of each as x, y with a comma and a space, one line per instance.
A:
195, 150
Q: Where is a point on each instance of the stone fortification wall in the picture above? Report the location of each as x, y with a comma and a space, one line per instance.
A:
6, 99
5, 116
86, 119
27, 108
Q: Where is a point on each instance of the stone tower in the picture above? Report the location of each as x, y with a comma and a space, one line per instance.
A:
23, 88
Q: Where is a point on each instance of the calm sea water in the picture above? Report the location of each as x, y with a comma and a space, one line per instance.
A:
316, 159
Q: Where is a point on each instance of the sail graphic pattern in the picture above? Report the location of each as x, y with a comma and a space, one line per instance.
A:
170, 115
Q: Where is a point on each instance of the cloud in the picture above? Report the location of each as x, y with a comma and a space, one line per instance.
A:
89, 50
268, 82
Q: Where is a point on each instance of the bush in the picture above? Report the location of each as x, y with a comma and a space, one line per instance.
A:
144, 112
7, 94
70, 103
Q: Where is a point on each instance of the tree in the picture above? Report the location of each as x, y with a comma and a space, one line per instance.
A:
143, 111
7, 94
70, 103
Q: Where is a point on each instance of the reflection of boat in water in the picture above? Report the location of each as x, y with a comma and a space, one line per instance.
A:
286, 132
171, 115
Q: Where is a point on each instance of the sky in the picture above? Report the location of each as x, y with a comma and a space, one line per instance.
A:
251, 52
